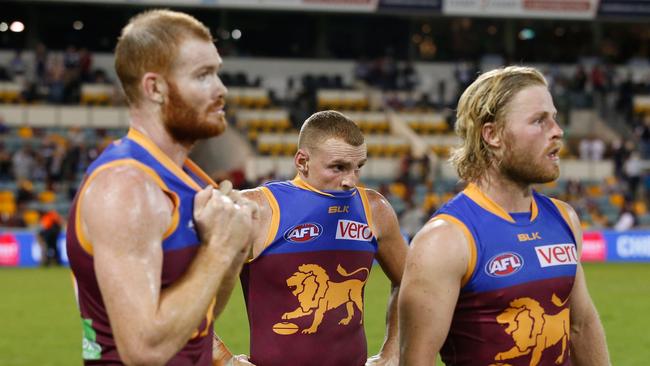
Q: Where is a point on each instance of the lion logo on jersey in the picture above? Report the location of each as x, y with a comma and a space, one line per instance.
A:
533, 330
317, 294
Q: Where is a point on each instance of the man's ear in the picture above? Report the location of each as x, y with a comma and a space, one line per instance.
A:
154, 87
491, 135
301, 161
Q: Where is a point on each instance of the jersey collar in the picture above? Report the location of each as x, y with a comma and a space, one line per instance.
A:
474, 193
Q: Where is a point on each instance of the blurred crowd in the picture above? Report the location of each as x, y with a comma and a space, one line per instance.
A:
55, 77
40, 169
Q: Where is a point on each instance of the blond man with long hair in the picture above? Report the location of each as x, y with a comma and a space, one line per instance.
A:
153, 260
494, 278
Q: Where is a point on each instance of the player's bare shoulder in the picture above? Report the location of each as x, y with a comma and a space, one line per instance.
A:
442, 238
125, 194
258, 196
383, 218
378, 203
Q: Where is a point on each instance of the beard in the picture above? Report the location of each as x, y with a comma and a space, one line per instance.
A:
521, 165
187, 124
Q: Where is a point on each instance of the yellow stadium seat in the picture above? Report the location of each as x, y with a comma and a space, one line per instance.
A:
47, 196
7, 208
594, 191
31, 217
617, 200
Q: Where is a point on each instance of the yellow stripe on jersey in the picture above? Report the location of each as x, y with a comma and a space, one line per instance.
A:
275, 218
200, 173
162, 158
366, 207
474, 193
298, 182
471, 265
565, 215
83, 241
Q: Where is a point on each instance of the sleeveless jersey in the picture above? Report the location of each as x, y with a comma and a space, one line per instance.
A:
513, 305
304, 292
179, 247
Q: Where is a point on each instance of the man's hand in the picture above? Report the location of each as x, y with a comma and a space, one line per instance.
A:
238, 360
379, 360
224, 219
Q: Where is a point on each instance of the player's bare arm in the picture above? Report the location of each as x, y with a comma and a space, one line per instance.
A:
228, 283
262, 223
221, 354
436, 262
151, 325
391, 254
588, 345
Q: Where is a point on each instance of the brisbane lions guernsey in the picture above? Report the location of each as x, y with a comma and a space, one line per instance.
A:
304, 292
179, 247
513, 307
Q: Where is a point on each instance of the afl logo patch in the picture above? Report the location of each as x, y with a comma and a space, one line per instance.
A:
303, 233
504, 264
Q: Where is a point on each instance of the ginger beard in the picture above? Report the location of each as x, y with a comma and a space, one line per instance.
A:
522, 164
187, 124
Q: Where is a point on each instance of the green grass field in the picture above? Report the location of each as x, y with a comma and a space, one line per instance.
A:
39, 323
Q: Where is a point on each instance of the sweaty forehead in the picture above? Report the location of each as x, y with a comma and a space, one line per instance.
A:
337, 149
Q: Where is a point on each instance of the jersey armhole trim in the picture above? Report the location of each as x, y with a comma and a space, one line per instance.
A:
275, 220
565, 215
363, 193
86, 245
471, 265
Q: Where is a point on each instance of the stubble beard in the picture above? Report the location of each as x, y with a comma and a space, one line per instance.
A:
519, 165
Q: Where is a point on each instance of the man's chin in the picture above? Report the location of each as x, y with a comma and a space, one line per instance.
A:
217, 123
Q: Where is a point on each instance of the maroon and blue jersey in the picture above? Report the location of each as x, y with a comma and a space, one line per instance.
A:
513, 307
179, 247
304, 292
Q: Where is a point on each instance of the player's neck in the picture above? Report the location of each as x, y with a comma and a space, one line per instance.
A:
511, 196
150, 125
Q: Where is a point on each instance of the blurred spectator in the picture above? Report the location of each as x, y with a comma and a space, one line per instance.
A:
643, 134
362, 71
407, 78
49, 229
620, 153
633, 169
40, 63
5, 163
55, 80
18, 67
592, 148
23, 163
598, 219
579, 79
627, 218
85, 64
17, 219
25, 192
411, 219
4, 129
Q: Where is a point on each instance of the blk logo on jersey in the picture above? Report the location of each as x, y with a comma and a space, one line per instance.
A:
556, 255
504, 264
529, 237
352, 230
303, 233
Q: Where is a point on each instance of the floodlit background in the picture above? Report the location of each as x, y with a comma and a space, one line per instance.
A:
61, 104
